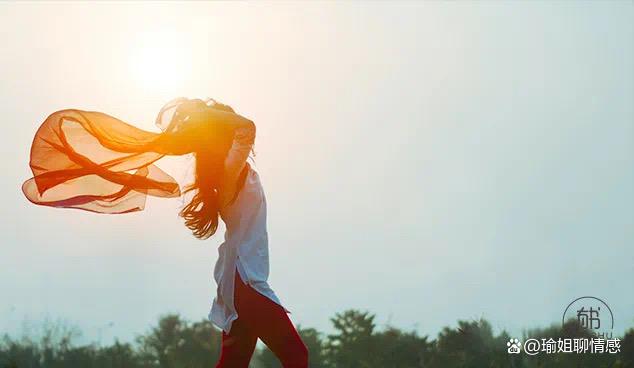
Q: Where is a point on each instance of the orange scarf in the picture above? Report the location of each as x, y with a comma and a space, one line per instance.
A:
92, 161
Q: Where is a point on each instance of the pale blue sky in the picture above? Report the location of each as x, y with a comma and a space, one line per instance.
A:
426, 161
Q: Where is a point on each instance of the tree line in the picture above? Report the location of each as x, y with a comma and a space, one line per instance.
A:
355, 343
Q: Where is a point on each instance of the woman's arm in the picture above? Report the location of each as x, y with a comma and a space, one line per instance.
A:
199, 126
244, 137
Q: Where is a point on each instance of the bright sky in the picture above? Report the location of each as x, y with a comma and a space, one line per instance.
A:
426, 161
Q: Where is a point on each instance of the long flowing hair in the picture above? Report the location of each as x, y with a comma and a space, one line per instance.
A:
202, 212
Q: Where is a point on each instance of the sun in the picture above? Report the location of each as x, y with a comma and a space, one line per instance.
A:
159, 60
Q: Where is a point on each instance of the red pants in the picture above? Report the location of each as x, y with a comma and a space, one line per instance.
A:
260, 317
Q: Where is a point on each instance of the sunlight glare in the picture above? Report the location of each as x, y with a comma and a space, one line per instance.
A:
159, 60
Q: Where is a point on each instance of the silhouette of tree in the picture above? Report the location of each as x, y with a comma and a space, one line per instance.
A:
399, 349
627, 349
471, 344
352, 346
118, 356
173, 344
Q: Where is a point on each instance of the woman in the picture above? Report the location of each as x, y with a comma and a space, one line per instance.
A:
82, 159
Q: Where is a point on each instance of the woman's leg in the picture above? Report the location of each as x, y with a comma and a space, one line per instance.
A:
238, 345
279, 334
271, 324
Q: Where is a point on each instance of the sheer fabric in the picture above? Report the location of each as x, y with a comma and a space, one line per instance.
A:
92, 161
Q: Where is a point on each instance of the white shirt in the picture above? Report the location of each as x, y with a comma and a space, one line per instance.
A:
245, 246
